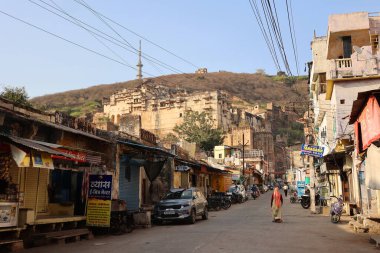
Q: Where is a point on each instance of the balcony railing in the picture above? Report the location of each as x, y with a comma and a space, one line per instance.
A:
343, 63
343, 68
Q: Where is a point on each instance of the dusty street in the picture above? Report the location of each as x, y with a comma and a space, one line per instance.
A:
243, 228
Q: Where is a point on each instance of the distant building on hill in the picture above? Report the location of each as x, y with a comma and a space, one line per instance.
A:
161, 108
201, 71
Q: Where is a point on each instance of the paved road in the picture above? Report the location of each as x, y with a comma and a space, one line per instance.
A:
243, 228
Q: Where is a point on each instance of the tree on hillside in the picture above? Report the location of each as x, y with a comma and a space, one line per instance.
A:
261, 72
199, 128
16, 94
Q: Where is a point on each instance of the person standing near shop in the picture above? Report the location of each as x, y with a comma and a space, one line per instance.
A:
285, 190
276, 204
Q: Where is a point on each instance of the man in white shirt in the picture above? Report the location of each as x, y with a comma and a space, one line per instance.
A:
285, 187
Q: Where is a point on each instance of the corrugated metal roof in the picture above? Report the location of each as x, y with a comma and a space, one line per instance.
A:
30, 144
142, 146
61, 127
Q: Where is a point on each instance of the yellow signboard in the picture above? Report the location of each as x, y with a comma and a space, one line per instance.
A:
99, 200
98, 212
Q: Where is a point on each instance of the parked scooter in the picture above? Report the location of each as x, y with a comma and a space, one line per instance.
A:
336, 209
305, 200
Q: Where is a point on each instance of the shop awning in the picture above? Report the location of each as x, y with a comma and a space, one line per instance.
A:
145, 147
18, 141
360, 103
188, 163
80, 155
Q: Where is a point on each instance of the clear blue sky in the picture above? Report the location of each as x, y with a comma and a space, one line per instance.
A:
217, 34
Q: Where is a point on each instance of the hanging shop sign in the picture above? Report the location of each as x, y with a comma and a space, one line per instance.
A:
99, 200
300, 188
39, 159
182, 168
77, 156
42, 160
311, 150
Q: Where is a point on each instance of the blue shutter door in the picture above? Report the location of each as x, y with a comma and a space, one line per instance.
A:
129, 191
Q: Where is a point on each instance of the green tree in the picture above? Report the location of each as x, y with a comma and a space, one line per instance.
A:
199, 128
170, 138
16, 94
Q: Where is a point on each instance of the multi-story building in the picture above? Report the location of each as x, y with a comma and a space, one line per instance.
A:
345, 62
162, 108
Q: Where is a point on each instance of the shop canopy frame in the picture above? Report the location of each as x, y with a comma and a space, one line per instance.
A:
29, 144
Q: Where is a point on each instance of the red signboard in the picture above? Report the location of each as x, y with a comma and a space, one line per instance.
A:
77, 156
369, 121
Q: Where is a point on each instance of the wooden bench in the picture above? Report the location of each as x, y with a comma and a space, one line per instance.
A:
12, 244
61, 237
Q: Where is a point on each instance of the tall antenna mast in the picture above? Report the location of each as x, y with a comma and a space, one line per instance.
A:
139, 65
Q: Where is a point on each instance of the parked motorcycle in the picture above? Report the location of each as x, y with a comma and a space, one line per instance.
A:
255, 193
219, 200
214, 203
121, 220
236, 198
305, 200
226, 201
336, 209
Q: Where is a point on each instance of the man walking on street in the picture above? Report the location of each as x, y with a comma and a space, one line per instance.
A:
285, 190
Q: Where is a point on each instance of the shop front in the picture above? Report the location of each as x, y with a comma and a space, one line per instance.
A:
9, 194
144, 174
48, 183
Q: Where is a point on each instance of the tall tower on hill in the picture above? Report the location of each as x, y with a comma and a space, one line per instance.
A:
139, 65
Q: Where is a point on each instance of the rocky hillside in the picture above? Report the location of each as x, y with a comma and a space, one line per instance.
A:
252, 88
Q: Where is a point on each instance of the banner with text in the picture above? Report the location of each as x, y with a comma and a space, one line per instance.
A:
311, 150
99, 200
300, 188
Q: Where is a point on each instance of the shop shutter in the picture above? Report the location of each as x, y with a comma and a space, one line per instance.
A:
31, 177
129, 189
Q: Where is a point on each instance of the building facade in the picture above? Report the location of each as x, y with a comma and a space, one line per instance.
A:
344, 63
162, 108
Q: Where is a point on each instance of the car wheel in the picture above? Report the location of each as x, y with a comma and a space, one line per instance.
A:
193, 216
205, 214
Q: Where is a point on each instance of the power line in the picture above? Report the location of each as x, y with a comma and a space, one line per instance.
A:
291, 30
148, 58
271, 48
112, 39
272, 32
90, 32
67, 40
277, 29
142, 37
78, 45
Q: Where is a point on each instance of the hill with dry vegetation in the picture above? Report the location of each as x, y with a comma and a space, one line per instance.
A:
252, 88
